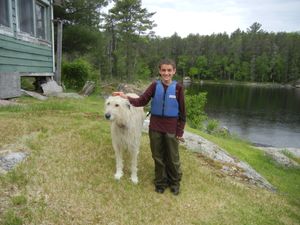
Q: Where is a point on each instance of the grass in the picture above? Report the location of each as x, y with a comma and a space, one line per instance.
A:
291, 156
286, 180
68, 176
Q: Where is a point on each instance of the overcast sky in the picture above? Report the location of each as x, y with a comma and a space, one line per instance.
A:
217, 16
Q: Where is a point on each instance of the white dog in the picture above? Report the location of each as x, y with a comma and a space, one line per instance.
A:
126, 129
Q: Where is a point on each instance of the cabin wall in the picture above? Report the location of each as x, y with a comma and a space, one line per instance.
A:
24, 53
24, 57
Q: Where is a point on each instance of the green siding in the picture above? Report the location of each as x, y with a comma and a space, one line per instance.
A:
21, 56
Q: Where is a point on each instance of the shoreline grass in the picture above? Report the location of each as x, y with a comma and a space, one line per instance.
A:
68, 176
278, 175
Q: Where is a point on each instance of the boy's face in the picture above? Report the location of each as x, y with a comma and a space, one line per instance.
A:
167, 72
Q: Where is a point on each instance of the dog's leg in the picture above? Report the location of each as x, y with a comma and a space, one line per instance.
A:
119, 164
134, 156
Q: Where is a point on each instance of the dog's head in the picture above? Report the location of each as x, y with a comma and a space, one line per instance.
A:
115, 107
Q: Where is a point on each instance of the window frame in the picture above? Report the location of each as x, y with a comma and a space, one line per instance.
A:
47, 25
18, 11
8, 30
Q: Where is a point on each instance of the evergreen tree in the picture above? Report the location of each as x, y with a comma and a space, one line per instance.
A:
83, 12
129, 22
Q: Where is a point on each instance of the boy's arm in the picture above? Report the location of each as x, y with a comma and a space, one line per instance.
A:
142, 100
182, 113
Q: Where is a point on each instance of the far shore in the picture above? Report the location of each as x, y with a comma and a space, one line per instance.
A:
246, 83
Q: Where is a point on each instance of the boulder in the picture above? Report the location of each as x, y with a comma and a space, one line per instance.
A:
10, 160
51, 88
230, 165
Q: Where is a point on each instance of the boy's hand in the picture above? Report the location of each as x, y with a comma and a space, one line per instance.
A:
119, 93
180, 139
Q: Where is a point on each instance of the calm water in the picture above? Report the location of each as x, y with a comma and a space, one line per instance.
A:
263, 115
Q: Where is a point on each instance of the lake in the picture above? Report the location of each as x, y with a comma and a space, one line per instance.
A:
262, 115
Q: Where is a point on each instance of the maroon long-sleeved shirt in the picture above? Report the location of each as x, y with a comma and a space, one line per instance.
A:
164, 124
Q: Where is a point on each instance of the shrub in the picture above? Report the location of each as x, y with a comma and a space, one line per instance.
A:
195, 110
76, 73
212, 126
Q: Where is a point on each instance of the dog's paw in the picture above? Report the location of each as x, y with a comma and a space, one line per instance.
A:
134, 179
118, 175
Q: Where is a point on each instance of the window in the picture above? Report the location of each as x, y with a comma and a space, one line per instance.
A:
40, 21
33, 18
4, 13
26, 16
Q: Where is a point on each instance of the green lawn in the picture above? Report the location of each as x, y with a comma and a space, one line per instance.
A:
68, 176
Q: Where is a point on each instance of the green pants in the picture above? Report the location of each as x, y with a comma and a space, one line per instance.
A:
164, 148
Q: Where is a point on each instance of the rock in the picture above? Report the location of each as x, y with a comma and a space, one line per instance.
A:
232, 166
10, 160
278, 155
34, 95
224, 130
51, 88
297, 83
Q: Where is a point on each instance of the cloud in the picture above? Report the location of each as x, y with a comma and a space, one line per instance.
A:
216, 16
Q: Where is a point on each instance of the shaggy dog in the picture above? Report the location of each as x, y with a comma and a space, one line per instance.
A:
126, 129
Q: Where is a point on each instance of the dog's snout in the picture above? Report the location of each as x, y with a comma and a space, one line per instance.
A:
107, 116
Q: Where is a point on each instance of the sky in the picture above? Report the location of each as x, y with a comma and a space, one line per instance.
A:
206, 17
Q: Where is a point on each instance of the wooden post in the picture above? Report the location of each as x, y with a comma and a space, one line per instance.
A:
59, 51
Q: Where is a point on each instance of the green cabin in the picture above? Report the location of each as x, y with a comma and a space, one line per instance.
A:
26, 43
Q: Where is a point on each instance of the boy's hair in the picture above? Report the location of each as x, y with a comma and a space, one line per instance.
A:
167, 62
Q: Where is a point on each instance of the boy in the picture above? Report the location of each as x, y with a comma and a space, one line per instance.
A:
166, 126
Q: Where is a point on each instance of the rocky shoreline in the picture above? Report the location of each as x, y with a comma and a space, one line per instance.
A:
234, 167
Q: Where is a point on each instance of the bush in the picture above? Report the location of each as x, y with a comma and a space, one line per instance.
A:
195, 110
212, 126
76, 73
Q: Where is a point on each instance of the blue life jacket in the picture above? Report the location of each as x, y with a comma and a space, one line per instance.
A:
164, 103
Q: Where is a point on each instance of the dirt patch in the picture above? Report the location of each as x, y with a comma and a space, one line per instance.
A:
8, 102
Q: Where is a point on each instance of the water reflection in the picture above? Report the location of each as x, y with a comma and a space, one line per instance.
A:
259, 114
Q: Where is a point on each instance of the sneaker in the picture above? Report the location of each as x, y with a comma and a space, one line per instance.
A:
175, 190
159, 190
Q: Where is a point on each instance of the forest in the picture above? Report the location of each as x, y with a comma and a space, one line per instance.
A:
121, 44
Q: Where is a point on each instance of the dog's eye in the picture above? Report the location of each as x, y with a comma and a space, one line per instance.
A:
117, 105
108, 103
